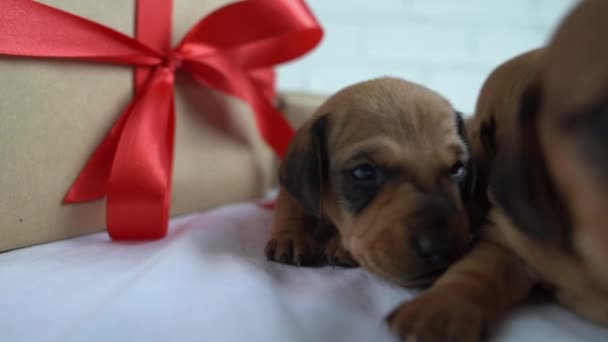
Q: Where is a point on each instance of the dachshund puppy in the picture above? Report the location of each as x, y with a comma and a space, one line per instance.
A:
563, 149
377, 177
541, 130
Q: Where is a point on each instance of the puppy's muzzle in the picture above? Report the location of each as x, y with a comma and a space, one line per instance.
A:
435, 235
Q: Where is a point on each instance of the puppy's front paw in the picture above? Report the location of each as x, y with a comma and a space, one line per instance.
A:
294, 248
337, 255
435, 317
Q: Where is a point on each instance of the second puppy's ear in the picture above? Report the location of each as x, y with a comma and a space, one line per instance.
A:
304, 171
522, 184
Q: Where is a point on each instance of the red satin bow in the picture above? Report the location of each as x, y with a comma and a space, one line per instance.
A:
231, 50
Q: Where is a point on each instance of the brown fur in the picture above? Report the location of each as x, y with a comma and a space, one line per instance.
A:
547, 173
573, 132
495, 117
410, 135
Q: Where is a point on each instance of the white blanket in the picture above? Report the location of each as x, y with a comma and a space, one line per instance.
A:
208, 281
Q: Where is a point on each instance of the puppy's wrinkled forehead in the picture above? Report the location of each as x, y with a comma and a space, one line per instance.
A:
395, 116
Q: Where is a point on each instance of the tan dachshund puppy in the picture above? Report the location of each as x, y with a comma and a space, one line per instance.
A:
564, 147
376, 177
541, 130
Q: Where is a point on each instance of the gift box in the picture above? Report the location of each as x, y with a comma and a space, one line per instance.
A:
87, 146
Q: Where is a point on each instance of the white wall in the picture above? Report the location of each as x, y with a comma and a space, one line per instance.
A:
447, 45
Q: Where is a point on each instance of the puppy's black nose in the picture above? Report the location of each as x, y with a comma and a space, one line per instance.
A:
438, 250
432, 232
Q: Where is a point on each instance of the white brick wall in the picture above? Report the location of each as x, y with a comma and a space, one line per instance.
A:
448, 45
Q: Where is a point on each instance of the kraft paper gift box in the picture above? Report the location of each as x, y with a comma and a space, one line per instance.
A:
54, 114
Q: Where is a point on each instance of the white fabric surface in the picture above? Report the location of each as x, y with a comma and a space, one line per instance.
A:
208, 281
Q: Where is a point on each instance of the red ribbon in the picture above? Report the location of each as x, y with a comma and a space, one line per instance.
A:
232, 50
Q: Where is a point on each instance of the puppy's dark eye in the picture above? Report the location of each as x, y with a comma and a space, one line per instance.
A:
458, 171
360, 185
364, 173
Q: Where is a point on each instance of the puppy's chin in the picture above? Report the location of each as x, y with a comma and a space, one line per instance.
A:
407, 250
392, 260
406, 278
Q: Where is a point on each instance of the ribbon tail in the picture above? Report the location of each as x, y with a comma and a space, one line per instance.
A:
92, 180
273, 126
219, 73
265, 79
139, 186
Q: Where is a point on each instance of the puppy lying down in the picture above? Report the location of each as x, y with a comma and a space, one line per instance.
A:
379, 177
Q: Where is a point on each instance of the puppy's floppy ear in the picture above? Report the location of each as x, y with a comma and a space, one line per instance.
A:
304, 171
521, 183
590, 127
468, 185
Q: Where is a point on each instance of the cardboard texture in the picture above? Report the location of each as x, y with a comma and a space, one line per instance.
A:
55, 113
